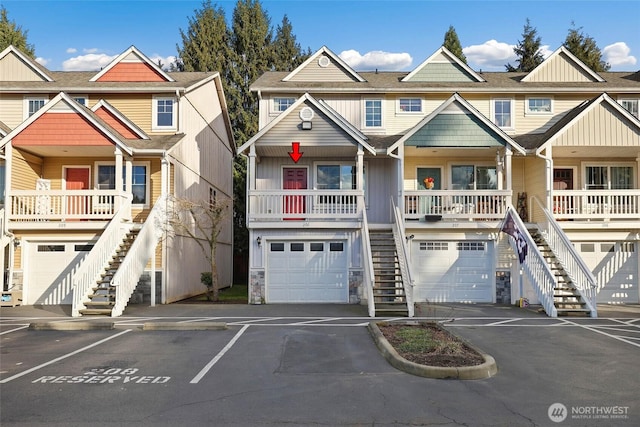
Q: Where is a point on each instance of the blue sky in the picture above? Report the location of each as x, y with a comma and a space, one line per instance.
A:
382, 34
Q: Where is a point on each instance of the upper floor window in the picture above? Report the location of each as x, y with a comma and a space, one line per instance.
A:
503, 113
164, 113
281, 104
539, 105
80, 99
631, 105
373, 113
32, 105
410, 105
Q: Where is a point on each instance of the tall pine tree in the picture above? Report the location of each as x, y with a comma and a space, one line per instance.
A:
585, 49
527, 50
287, 54
12, 34
452, 43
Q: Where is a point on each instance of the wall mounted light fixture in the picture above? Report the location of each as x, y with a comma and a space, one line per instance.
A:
259, 240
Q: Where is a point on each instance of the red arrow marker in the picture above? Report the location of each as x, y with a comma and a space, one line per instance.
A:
295, 154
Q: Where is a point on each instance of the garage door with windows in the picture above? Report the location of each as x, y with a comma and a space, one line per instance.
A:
615, 267
50, 266
453, 271
307, 272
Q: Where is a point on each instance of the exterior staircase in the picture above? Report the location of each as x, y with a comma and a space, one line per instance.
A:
388, 290
566, 298
103, 298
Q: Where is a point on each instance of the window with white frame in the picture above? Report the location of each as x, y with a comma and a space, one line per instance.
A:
539, 105
32, 105
631, 105
80, 99
609, 177
409, 105
339, 176
106, 180
373, 113
164, 113
280, 104
503, 114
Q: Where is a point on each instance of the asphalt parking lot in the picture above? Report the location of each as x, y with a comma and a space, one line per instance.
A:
312, 365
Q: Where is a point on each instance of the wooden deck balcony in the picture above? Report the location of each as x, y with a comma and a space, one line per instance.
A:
56, 208
454, 205
305, 205
605, 205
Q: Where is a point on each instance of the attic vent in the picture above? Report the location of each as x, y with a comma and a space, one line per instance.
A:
324, 61
306, 114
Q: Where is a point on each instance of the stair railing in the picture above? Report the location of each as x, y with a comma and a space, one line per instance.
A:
581, 276
142, 249
367, 260
535, 266
403, 258
88, 273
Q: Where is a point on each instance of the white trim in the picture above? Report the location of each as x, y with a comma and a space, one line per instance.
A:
401, 112
125, 121
146, 164
325, 51
283, 167
572, 58
28, 61
25, 104
273, 111
608, 164
142, 56
365, 99
627, 99
512, 113
76, 96
154, 114
528, 112
454, 59
64, 174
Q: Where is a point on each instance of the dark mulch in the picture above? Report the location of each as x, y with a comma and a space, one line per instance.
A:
430, 345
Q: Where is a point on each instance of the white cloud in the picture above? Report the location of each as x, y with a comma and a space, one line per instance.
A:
491, 55
617, 55
72, 50
166, 61
90, 50
376, 60
42, 61
89, 62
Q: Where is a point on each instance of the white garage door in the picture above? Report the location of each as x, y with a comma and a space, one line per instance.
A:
49, 269
453, 271
615, 266
310, 272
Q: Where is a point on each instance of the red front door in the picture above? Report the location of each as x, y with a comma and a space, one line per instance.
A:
77, 179
294, 179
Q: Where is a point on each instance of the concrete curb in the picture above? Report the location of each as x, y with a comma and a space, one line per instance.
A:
71, 326
482, 371
185, 326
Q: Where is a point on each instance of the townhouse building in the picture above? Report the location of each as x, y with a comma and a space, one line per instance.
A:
89, 165
391, 188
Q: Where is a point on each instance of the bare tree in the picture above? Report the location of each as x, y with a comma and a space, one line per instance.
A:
202, 221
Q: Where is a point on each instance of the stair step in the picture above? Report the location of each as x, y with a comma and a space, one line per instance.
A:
96, 311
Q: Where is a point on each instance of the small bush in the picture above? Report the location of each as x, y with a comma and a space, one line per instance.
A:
206, 279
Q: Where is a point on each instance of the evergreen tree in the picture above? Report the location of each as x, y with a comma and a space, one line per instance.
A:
527, 50
205, 44
287, 54
12, 34
585, 49
452, 43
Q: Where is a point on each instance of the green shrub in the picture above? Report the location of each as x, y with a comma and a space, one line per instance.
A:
206, 279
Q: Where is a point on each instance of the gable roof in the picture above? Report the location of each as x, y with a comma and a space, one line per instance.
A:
348, 72
4, 129
464, 104
564, 56
131, 56
77, 108
443, 56
333, 116
573, 116
120, 118
29, 64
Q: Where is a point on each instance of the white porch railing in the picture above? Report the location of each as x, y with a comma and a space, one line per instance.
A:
456, 204
326, 205
367, 259
596, 204
126, 278
574, 266
403, 258
536, 268
63, 205
95, 262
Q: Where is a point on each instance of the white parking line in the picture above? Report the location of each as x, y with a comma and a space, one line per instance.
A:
57, 359
13, 330
594, 328
308, 322
213, 361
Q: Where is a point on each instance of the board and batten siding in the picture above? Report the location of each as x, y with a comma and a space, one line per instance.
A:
443, 71
600, 127
313, 72
560, 69
13, 69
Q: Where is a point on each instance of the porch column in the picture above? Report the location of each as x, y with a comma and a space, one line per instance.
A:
118, 183
638, 173
360, 175
507, 167
164, 175
252, 168
128, 179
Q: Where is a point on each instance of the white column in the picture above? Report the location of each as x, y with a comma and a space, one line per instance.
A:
164, 175
153, 279
118, 183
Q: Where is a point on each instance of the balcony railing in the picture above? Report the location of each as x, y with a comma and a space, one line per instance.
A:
322, 205
596, 204
63, 205
455, 204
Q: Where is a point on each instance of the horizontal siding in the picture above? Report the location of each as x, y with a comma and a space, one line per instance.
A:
454, 130
11, 109
136, 108
26, 169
